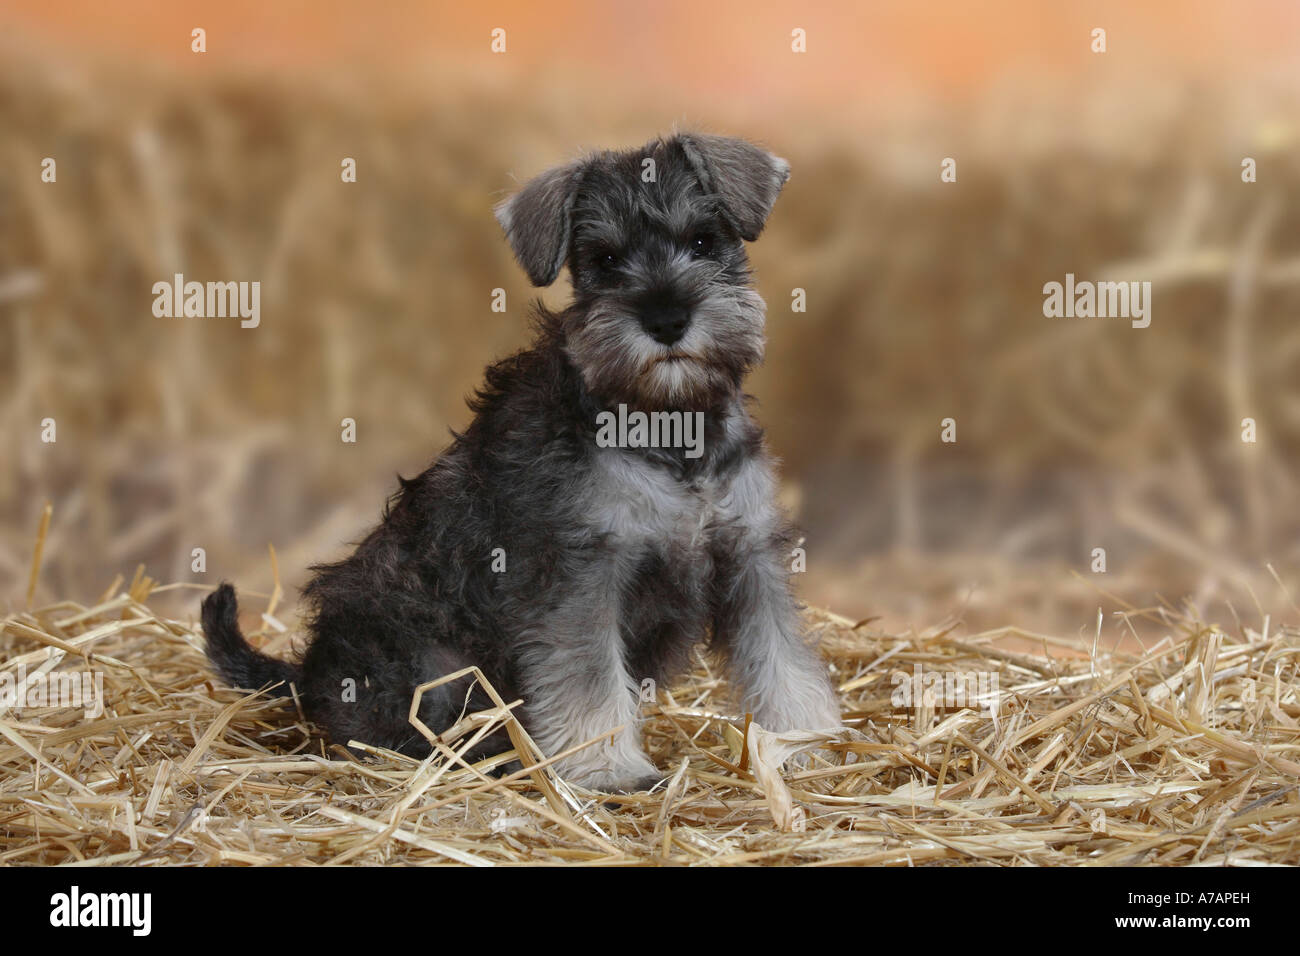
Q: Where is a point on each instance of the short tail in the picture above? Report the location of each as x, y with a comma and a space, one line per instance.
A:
237, 661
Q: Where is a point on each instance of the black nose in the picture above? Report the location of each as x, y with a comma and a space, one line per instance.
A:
666, 324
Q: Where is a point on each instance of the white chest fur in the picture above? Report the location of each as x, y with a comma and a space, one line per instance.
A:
637, 502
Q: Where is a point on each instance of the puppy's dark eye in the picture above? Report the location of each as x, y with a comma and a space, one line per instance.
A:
701, 245
607, 262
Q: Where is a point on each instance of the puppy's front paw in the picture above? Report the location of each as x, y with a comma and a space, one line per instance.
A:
639, 785
614, 782
633, 775
783, 716
790, 736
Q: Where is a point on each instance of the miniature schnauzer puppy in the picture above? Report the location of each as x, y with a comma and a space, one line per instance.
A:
567, 568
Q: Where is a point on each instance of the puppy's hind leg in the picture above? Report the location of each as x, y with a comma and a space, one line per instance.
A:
359, 685
443, 707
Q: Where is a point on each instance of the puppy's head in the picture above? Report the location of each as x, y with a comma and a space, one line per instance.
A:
663, 314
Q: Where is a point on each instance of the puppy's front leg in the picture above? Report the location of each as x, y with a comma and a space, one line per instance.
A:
756, 624
577, 687
784, 681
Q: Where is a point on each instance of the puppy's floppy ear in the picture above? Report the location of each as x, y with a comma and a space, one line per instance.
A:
537, 221
744, 177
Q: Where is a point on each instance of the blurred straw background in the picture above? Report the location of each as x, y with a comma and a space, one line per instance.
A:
924, 298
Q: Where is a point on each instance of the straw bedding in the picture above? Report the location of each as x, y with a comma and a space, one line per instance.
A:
1186, 751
